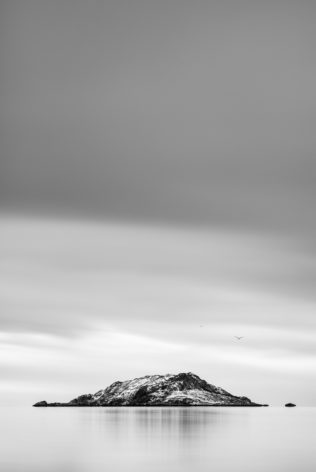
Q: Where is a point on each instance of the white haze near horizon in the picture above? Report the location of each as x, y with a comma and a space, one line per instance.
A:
86, 303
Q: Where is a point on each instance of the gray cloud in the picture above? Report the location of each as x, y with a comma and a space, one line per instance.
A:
197, 112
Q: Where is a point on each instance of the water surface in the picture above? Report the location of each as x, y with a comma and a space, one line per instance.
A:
157, 439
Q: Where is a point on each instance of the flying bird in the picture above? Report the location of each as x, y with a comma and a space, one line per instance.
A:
239, 337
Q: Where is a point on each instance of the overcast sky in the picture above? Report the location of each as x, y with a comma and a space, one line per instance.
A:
157, 191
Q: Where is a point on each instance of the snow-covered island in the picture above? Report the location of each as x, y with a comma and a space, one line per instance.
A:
184, 389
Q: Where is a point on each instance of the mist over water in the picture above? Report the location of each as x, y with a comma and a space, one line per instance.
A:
156, 439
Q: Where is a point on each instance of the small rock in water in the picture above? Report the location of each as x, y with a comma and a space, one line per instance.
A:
290, 404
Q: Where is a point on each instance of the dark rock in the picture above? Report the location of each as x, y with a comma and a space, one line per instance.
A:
82, 400
141, 397
289, 404
42, 403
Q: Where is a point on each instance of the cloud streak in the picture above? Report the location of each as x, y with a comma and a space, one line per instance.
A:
63, 271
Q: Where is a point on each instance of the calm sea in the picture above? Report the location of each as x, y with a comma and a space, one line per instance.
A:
157, 439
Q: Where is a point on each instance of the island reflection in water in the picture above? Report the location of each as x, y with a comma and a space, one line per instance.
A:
156, 439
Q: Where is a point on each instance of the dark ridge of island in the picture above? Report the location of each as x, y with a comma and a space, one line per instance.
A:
185, 389
290, 405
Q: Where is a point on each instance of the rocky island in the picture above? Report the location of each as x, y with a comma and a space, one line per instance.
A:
184, 389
